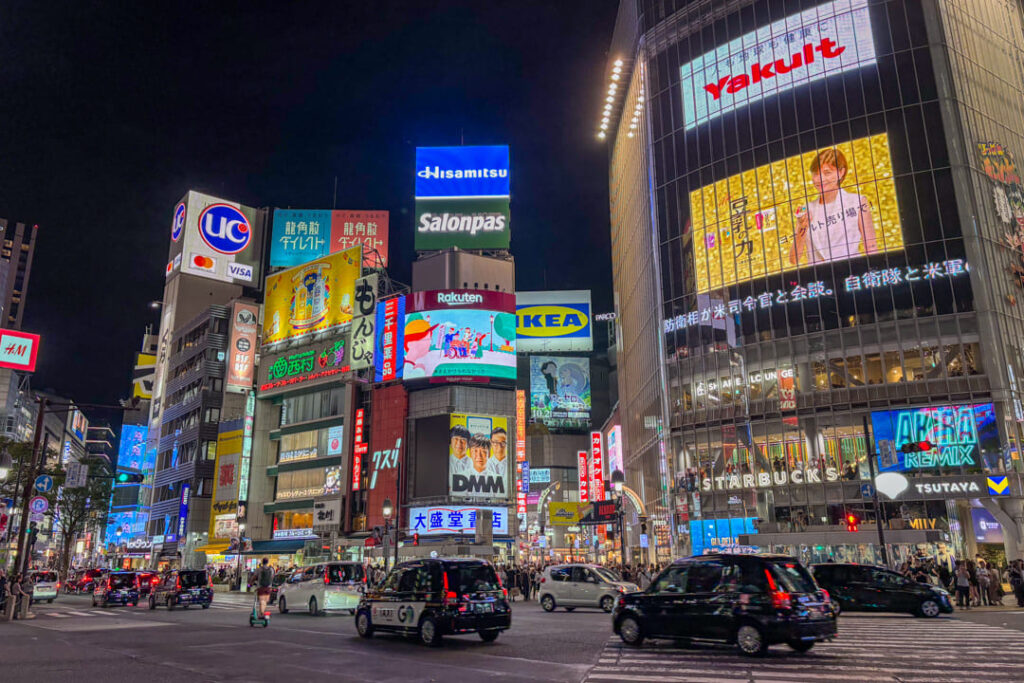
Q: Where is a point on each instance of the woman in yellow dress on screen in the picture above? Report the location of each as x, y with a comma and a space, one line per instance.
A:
839, 224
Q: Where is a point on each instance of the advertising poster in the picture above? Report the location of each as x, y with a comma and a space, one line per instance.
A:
473, 223
362, 334
18, 350
244, 319
478, 462
829, 39
963, 436
452, 335
613, 439
560, 392
831, 204
429, 521
555, 321
227, 475
312, 297
387, 448
389, 350
583, 474
722, 535
216, 239
302, 235
131, 451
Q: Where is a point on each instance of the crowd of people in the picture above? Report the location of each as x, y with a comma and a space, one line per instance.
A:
14, 589
976, 583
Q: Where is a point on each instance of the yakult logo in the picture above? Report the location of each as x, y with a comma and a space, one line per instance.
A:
759, 72
224, 228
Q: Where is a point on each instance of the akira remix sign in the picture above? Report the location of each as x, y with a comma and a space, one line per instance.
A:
478, 463
963, 435
817, 43
830, 204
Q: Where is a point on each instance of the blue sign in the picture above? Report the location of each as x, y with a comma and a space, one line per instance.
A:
44, 483
38, 505
131, 452
524, 481
643, 541
462, 171
867, 490
299, 236
178, 224
721, 535
183, 509
224, 228
389, 344
986, 528
961, 435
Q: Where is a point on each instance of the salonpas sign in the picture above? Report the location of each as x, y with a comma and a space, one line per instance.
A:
467, 223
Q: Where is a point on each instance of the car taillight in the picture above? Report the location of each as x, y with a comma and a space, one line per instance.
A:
177, 583
109, 587
826, 598
622, 601
327, 579
156, 579
781, 600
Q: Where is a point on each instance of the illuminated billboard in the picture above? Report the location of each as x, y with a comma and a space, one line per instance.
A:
312, 297
227, 476
460, 335
389, 346
554, 321
18, 350
560, 392
301, 235
949, 436
216, 239
131, 451
468, 171
478, 462
430, 521
830, 204
473, 223
242, 353
819, 42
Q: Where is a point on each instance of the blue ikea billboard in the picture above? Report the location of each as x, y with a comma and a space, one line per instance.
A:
481, 171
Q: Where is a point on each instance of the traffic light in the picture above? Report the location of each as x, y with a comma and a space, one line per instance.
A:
917, 447
33, 535
416, 539
852, 521
129, 478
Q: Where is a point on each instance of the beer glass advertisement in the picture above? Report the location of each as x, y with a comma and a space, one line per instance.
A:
560, 392
478, 463
459, 343
312, 297
830, 204
959, 437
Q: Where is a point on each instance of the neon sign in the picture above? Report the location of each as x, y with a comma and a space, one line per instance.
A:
959, 435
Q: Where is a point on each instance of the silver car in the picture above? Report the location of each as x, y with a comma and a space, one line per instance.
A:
581, 585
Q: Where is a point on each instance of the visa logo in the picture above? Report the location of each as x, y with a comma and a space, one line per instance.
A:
240, 271
551, 320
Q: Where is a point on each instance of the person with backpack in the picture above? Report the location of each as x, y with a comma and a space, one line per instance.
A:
264, 582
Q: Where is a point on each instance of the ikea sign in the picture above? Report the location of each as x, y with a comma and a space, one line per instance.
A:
553, 321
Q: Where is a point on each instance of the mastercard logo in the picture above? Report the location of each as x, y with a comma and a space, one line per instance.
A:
202, 262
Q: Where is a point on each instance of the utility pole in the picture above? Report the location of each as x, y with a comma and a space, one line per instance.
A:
869, 446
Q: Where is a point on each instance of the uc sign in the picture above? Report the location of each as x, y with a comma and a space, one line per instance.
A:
548, 321
224, 228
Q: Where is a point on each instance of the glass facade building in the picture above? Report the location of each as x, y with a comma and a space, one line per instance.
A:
816, 224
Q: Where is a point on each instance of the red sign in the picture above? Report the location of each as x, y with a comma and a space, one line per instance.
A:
387, 437
787, 390
368, 228
520, 425
18, 350
597, 463
584, 477
358, 449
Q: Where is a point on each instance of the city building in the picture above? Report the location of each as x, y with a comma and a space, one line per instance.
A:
17, 247
816, 259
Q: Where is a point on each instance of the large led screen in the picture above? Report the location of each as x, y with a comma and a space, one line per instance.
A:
478, 463
963, 435
830, 204
560, 392
131, 452
312, 297
829, 39
460, 343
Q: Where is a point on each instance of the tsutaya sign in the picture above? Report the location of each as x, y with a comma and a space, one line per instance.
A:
808, 475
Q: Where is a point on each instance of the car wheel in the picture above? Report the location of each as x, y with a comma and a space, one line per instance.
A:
630, 631
206, 605
750, 640
351, 611
800, 645
363, 626
929, 609
282, 606
135, 603
429, 635
548, 603
607, 603
152, 602
489, 636
837, 607
313, 607
170, 603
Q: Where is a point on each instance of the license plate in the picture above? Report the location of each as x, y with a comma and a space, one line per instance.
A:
483, 608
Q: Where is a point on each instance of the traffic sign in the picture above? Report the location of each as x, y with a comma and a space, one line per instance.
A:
39, 504
44, 483
867, 490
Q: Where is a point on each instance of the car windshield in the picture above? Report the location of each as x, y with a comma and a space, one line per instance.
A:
472, 578
122, 580
792, 577
606, 574
192, 579
50, 577
342, 573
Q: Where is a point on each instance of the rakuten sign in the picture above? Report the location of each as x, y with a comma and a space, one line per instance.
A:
814, 44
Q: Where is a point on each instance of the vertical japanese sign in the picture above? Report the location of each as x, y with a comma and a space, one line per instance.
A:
522, 467
365, 312
384, 460
597, 465
227, 476
359, 448
389, 352
243, 482
186, 490
244, 319
584, 477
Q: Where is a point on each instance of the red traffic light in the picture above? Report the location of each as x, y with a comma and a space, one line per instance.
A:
851, 522
416, 539
925, 446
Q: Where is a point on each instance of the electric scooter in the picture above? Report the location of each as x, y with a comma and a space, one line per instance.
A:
257, 617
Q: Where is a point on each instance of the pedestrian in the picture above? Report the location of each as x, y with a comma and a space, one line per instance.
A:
963, 586
1016, 580
972, 573
14, 596
3, 591
983, 583
264, 582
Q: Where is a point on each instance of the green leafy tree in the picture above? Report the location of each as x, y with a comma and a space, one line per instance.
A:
14, 486
80, 507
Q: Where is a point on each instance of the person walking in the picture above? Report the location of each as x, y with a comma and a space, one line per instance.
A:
962, 579
982, 573
1016, 576
264, 582
14, 596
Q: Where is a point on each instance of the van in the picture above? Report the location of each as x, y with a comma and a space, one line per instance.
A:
323, 587
45, 585
581, 585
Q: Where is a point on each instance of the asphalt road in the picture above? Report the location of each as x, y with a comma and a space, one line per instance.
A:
70, 640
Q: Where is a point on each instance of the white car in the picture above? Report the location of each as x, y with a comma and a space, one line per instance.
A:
323, 587
581, 585
45, 585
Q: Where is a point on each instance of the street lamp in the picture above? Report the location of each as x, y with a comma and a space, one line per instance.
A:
618, 482
387, 509
241, 529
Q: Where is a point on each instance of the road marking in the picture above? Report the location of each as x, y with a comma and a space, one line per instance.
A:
102, 613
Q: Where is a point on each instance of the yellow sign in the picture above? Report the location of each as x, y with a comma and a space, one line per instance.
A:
565, 514
226, 473
831, 204
314, 296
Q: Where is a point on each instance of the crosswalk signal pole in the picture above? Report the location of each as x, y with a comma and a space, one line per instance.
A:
869, 446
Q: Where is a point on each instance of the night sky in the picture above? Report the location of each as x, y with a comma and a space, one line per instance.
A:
112, 111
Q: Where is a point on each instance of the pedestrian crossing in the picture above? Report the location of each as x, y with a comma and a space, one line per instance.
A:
67, 612
868, 648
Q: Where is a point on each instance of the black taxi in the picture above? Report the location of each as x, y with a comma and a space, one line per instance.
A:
434, 597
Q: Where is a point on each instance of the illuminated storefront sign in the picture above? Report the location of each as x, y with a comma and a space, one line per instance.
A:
614, 441
305, 492
302, 235
389, 352
831, 204
808, 475
186, 490
554, 321
359, 448
584, 476
597, 465
540, 475
765, 379
293, 533
18, 351
297, 454
817, 43
428, 521
959, 436
308, 365
242, 352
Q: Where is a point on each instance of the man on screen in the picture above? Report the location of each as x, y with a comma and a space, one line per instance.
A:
839, 224
499, 449
479, 450
459, 446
